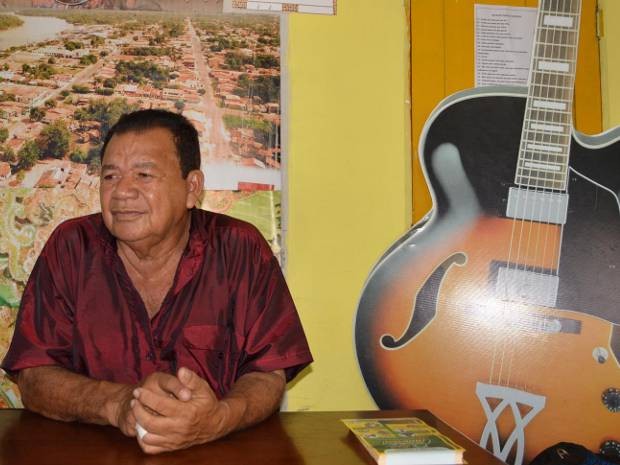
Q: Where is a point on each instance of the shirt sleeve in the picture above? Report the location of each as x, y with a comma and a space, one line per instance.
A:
275, 338
44, 323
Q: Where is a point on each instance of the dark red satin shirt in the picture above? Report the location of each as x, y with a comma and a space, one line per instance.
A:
228, 312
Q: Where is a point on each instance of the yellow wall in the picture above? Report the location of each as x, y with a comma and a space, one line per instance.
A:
349, 179
610, 64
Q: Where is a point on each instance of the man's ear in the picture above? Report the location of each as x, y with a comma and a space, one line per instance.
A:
195, 181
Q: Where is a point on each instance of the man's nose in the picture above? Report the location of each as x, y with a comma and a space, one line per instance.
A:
125, 187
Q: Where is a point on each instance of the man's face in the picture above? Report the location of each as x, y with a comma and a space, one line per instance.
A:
144, 197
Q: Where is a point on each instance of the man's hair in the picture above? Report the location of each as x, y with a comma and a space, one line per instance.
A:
183, 133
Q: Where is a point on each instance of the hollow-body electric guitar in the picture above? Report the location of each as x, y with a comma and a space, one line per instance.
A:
500, 311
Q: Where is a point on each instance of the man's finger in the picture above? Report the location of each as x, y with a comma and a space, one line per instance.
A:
152, 449
168, 384
154, 403
194, 382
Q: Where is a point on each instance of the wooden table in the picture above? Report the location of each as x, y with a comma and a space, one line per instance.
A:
287, 438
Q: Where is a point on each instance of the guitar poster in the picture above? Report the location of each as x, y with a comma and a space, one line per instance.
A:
499, 310
67, 74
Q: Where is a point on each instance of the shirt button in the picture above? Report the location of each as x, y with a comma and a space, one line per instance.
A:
150, 356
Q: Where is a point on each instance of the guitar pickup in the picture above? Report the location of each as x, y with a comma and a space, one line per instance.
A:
542, 206
525, 286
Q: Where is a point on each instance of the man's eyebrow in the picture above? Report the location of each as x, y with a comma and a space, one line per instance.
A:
144, 164
141, 165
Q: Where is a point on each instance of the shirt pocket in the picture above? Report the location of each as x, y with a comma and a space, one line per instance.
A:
212, 352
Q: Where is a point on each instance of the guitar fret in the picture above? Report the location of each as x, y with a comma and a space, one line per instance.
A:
557, 157
551, 93
551, 53
557, 137
552, 170
550, 104
546, 112
548, 78
563, 54
539, 178
539, 158
539, 183
539, 132
536, 148
542, 166
557, 46
544, 148
562, 88
558, 9
547, 127
547, 51
532, 134
538, 175
554, 35
553, 66
558, 21
557, 74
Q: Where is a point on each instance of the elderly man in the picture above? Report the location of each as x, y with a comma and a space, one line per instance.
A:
172, 323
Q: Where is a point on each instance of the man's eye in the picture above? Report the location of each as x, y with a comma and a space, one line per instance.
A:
108, 177
145, 175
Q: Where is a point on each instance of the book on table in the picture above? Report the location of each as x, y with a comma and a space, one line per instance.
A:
405, 441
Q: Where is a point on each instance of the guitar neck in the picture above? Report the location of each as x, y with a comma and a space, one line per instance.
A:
546, 135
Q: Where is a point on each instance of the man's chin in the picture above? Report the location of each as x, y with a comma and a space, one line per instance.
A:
127, 232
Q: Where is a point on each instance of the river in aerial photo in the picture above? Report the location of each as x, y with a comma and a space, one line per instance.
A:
35, 29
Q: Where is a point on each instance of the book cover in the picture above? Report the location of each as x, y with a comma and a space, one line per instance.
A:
405, 441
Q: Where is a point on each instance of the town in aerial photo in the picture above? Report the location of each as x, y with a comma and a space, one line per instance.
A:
68, 73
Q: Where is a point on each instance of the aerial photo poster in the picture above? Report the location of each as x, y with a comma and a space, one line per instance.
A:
68, 72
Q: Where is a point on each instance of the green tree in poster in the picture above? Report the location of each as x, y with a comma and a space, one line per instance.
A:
54, 140
8, 155
105, 112
36, 114
78, 156
28, 155
88, 59
4, 135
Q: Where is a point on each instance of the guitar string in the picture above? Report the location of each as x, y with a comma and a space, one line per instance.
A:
504, 291
563, 50
548, 265
546, 49
519, 225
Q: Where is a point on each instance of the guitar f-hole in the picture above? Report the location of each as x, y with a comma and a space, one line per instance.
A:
425, 304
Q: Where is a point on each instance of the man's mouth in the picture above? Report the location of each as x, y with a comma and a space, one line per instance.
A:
126, 215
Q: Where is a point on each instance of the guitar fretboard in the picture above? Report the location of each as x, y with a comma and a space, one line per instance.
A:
546, 136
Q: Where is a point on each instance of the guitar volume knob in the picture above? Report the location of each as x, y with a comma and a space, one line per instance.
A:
611, 449
611, 399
